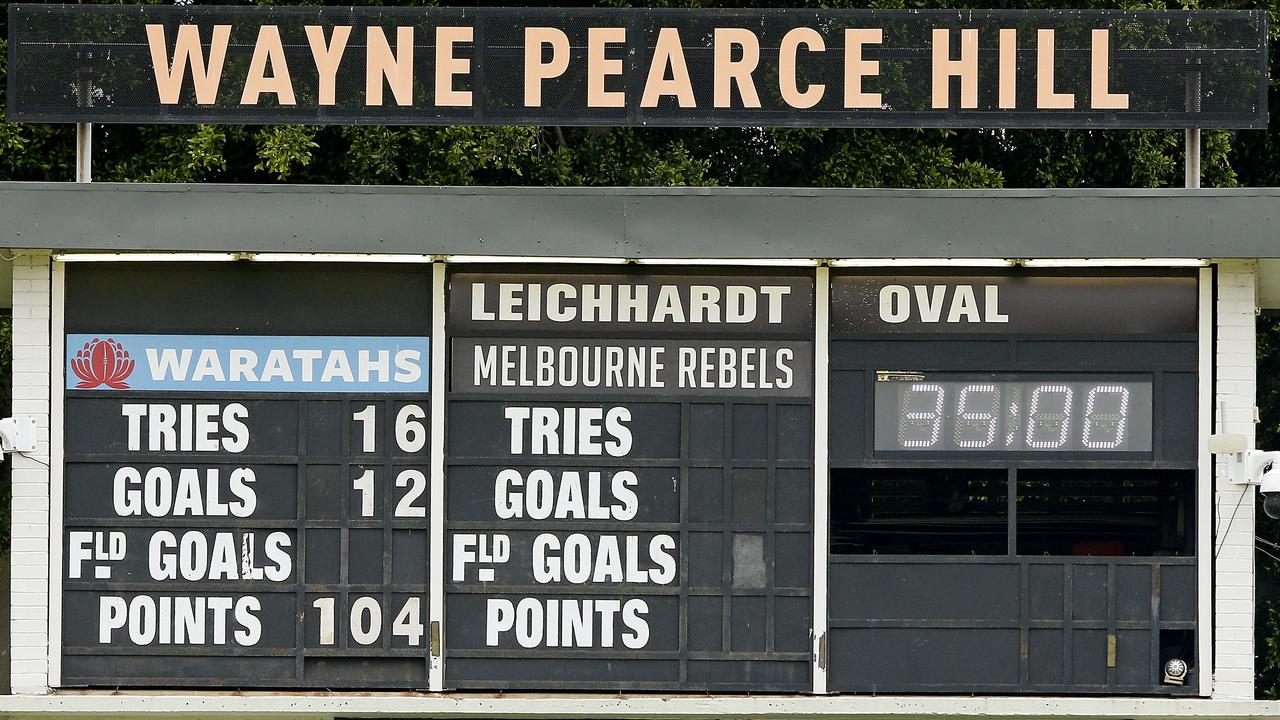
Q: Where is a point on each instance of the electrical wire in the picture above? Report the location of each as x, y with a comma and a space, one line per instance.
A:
32, 458
1264, 552
1243, 493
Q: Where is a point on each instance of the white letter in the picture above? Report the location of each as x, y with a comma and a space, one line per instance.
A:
895, 303
111, 616
127, 502
231, 423
632, 617
163, 567
501, 617
993, 305
133, 413
251, 630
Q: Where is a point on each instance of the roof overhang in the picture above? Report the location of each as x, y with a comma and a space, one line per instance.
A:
644, 222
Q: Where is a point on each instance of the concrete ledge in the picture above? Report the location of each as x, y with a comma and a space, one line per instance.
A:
298, 706
644, 222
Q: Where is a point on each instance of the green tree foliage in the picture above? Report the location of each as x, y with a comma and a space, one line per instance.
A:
713, 156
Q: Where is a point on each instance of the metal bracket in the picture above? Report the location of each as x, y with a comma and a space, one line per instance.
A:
1245, 465
18, 434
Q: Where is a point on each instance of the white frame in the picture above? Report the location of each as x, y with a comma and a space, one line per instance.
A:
1205, 481
435, 663
821, 476
821, 473
57, 383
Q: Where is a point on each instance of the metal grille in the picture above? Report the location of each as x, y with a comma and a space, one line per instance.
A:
1179, 69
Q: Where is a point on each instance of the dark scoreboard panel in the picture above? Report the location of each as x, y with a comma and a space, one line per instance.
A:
630, 471
246, 475
1027, 441
628, 479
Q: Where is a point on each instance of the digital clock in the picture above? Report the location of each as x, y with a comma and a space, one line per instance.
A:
1013, 413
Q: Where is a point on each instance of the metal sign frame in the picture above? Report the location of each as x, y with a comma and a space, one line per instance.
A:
1204, 483
726, 67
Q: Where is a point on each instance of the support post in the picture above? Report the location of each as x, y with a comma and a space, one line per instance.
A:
84, 134
1191, 170
84, 152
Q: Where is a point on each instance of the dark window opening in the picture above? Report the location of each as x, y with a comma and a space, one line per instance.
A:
1106, 512
919, 511
1177, 645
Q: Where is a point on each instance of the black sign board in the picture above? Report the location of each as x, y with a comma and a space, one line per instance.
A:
628, 483
630, 476
934, 303
246, 475
752, 67
1013, 474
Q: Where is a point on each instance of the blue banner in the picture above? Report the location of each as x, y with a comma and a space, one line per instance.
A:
257, 363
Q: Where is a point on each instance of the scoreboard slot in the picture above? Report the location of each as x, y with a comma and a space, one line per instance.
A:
919, 511
1105, 512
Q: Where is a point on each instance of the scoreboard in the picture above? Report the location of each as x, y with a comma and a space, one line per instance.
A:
246, 475
1025, 443
630, 483
603, 478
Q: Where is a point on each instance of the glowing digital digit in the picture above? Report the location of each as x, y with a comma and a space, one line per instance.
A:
1013, 413
1110, 422
1012, 418
1048, 428
921, 428
977, 428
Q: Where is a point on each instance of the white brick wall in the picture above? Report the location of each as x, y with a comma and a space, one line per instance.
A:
29, 620
1234, 398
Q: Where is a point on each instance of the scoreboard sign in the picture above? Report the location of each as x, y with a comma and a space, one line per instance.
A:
619, 491
1028, 442
735, 67
630, 480
246, 475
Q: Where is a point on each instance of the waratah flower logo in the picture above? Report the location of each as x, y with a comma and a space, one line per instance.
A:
102, 362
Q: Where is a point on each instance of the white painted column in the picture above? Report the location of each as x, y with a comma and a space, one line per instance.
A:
821, 474
435, 637
29, 594
1235, 394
